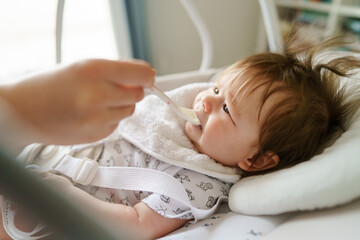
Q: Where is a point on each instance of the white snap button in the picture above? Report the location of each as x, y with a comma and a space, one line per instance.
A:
48, 152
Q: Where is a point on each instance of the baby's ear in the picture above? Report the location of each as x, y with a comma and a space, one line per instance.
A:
266, 161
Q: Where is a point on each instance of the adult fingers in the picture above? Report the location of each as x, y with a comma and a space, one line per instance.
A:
131, 73
37, 171
118, 96
114, 115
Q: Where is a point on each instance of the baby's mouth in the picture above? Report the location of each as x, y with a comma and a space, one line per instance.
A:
199, 126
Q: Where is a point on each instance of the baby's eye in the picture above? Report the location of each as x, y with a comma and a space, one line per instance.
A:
216, 90
226, 109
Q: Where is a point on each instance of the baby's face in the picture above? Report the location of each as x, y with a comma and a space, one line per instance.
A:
228, 133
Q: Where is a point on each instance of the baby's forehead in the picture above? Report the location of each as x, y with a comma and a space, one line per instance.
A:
237, 84
242, 87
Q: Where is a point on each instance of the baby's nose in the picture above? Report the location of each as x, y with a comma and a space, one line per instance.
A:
206, 107
206, 104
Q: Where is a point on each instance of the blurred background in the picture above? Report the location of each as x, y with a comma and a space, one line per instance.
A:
158, 31
162, 33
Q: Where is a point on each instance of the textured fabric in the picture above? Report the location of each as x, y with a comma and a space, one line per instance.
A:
203, 191
158, 131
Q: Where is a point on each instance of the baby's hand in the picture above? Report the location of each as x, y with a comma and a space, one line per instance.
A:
56, 181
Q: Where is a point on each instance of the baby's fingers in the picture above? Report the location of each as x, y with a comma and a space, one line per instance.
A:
55, 180
35, 169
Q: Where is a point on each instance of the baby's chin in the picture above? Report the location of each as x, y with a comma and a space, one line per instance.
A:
190, 131
188, 128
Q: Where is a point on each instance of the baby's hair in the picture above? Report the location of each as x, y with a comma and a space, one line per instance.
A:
313, 103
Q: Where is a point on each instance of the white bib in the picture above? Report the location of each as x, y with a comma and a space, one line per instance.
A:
160, 132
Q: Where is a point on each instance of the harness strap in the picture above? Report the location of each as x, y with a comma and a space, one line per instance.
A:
8, 216
88, 172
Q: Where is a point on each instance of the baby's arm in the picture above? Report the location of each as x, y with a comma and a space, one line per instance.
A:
140, 220
153, 224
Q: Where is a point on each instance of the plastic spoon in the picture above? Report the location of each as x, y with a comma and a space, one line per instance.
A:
185, 113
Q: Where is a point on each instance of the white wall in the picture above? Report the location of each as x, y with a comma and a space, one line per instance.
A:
175, 44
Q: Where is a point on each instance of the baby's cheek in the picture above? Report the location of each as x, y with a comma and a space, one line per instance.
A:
211, 145
214, 134
210, 137
197, 99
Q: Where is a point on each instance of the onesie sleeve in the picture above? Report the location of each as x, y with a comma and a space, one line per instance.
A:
203, 192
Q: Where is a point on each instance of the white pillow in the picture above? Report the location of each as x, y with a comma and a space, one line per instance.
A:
329, 179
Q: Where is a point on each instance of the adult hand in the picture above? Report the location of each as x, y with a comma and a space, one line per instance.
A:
82, 102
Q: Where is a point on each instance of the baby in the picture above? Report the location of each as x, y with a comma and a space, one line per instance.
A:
266, 112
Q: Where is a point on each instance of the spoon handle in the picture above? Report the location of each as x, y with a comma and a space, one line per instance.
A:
155, 90
187, 114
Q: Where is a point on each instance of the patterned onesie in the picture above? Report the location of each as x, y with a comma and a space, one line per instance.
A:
203, 191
